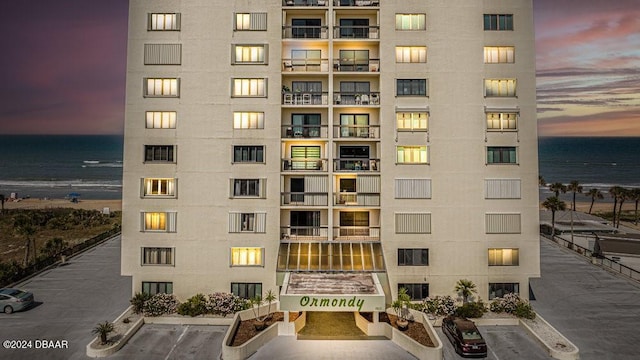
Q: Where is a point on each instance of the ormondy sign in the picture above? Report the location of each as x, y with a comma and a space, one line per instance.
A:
327, 302
313, 302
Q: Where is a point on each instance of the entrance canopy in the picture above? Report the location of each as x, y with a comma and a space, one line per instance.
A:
331, 292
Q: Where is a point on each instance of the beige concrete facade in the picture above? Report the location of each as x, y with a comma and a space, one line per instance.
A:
339, 170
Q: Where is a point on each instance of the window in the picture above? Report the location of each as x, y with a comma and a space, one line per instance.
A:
250, 21
500, 87
305, 158
501, 155
162, 54
161, 119
417, 292
499, 54
153, 287
501, 121
503, 223
252, 256
410, 21
413, 223
412, 121
502, 188
411, 54
158, 221
155, 87
247, 187
163, 22
159, 153
157, 256
413, 257
248, 154
503, 257
248, 120
498, 22
502, 289
413, 188
152, 187
411, 155
411, 87
249, 54
247, 222
246, 290
354, 125
249, 87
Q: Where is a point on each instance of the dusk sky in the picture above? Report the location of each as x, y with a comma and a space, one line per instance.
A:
65, 67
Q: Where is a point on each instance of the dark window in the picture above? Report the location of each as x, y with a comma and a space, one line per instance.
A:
354, 28
413, 257
305, 125
501, 155
153, 288
354, 60
246, 187
246, 290
160, 153
416, 291
306, 28
251, 154
411, 87
501, 289
498, 22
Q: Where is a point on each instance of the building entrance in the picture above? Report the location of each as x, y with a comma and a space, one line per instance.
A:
331, 326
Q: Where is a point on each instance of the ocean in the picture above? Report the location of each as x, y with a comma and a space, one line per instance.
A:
55, 166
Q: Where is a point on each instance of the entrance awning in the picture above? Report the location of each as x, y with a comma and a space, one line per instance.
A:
331, 292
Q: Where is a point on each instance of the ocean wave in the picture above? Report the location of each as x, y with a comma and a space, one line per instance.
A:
77, 183
98, 163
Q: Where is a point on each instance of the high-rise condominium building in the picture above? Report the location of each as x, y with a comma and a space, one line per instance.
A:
330, 149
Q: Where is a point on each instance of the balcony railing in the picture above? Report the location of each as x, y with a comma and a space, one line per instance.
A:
304, 164
356, 131
356, 199
298, 98
356, 32
356, 65
351, 98
357, 165
303, 199
322, 3
356, 233
305, 65
305, 32
304, 131
356, 2
304, 233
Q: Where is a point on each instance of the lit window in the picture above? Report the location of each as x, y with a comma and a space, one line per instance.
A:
410, 21
157, 256
502, 289
411, 54
247, 256
500, 87
161, 119
248, 120
411, 87
503, 257
249, 54
159, 187
161, 87
246, 290
413, 257
251, 21
159, 153
248, 154
417, 292
249, 87
499, 54
246, 187
501, 121
155, 221
498, 22
501, 155
411, 155
155, 287
412, 121
164, 22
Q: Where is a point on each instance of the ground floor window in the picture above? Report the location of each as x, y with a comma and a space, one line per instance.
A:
413, 257
417, 291
155, 287
501, 289
246, 290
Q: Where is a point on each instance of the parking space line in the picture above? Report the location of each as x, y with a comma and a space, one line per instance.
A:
177, 342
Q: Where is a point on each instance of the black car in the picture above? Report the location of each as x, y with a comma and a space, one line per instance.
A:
464, 336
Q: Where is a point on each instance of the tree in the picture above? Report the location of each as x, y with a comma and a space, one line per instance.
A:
23, 227
541, 181
574, 187
557, 188
614, 191
465, 288
2, 200
623, 194
635, 196
103, 330
256, 302
594, 194
400, 307
554, 204
54, 247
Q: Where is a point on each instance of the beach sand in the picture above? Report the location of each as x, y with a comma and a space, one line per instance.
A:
113, 205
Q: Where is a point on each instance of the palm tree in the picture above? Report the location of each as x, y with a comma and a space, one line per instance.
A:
635, 196
574, 187
541, 181
23, 227
614, 191
623, 194
557, 188
466, 288
554, 204
594, 194
103, 330
2, 200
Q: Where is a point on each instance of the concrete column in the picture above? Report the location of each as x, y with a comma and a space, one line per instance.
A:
286, 317
376, 317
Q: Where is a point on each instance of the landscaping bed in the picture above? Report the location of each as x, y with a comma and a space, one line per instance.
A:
246, 330
416, 330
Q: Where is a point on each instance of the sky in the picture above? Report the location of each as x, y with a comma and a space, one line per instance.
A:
65, 65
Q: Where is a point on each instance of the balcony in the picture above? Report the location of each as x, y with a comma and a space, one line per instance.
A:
356, 199
304, 164
359, 233
305, 32
356, 131
299, 98
356, 65
356, 165
356, 32
303, 199
320, 3
305, 65
357, 3
350, 98
304, 131
304, 233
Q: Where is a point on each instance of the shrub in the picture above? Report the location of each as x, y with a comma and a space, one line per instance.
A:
471, 309
138, 301
160, 304
439, 305
103, 330
194, 306
512, 304
524, 310
224, 304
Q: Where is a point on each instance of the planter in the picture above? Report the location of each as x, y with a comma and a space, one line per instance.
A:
403, 324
